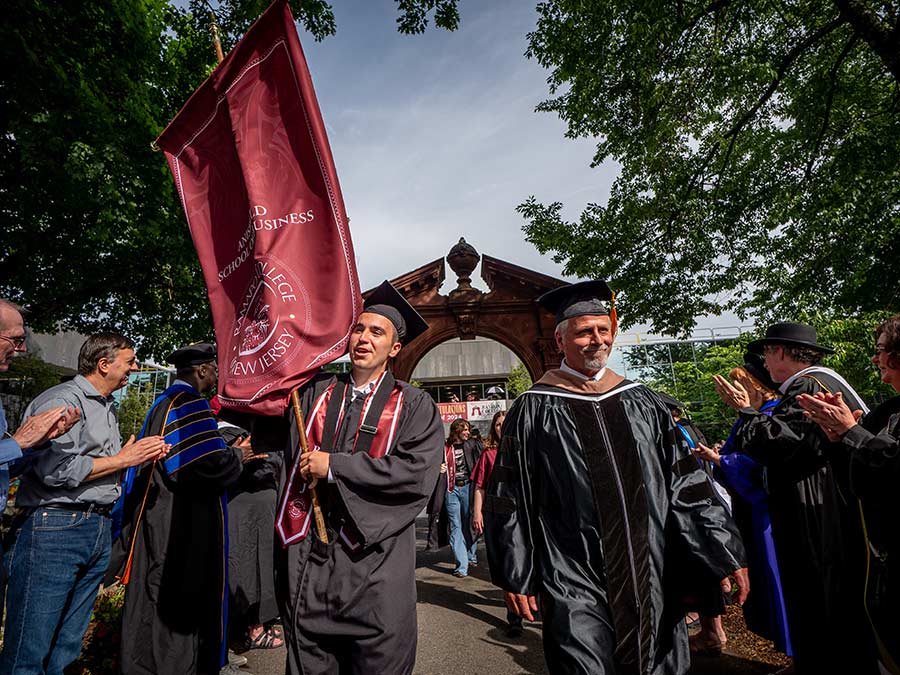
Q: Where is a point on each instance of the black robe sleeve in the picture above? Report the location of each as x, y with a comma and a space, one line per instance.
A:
705, 529
507, 521
875, 451
787, 439
384, 495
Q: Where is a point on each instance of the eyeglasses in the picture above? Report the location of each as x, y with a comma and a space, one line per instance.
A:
881, 350
17, 341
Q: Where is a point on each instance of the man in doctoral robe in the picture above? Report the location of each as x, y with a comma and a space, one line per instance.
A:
173, 535
815, 521
597, 507
349, 606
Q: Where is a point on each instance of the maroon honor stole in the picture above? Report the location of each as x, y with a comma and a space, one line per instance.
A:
375, 435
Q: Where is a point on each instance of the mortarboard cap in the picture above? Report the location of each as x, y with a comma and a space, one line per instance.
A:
670, 401
386, 301
192, 355
584, 298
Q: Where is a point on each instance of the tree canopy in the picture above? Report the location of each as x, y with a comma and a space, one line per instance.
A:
759, 146
93, 235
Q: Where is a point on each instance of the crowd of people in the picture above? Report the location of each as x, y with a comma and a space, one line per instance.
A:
603, 508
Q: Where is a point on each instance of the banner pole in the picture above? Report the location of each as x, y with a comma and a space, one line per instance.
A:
304, 448
214, 29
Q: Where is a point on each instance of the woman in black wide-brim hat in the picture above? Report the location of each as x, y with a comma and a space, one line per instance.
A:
873, 444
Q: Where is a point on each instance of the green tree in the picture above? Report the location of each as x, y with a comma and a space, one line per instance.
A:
133, 408
27, 377
759, 146
517, 381
93, 233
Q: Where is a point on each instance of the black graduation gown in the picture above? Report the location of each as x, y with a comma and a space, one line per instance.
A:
816, 530
346, 612
874, 448
251, 537
172, 621
597, 506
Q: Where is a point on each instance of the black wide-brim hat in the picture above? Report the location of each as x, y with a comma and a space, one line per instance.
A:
790, 334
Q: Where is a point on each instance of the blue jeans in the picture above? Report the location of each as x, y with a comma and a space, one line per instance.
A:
457, 503
54, 569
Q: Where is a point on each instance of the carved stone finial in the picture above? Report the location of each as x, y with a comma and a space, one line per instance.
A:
463, 258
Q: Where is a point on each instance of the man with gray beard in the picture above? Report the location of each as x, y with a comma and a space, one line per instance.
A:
596, 499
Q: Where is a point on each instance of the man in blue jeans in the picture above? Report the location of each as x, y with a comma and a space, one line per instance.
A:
461, 453
61, 534
35, 430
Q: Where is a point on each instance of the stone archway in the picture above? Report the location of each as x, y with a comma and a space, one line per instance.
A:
507, 313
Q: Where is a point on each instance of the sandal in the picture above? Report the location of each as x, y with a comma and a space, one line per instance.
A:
267, 639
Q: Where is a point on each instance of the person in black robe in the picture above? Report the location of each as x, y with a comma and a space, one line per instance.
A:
873, 445
597, 506
173, 539
815, 521
703, 595
349, 605
252, 500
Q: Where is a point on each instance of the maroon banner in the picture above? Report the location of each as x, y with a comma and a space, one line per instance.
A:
255, 174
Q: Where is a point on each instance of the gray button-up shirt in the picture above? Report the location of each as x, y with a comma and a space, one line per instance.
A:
56, 473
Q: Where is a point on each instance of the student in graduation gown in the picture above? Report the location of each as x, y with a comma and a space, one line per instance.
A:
173, 534
597, 506
349, 606
815, 520
873, 445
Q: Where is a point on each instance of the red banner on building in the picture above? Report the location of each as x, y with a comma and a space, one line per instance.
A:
255, 174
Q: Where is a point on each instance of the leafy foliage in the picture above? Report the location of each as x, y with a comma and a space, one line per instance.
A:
133, 408
759, 146
104, 635
93, 234
27, 377
517, 381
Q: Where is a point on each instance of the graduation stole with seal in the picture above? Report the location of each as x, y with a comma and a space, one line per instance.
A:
374, 435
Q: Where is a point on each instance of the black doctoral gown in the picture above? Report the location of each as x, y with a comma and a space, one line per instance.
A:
173, 621
874, 448
816, 529
597, 506
347, 611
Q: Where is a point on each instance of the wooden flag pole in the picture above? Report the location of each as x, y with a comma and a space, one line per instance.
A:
214, 29
304, 448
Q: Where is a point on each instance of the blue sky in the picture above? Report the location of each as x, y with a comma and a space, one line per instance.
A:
435, 136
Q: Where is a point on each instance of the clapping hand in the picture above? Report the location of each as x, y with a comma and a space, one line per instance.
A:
707, 454
38, 429
245, 445
830, 412
732, 394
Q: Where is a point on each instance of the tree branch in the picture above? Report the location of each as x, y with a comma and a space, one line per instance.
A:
883, 39
786, 63
829, 101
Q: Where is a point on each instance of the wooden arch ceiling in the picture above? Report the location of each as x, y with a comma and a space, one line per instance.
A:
507, 313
